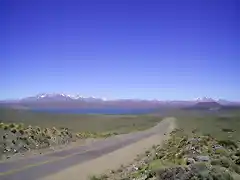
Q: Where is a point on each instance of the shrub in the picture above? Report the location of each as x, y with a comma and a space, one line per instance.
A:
6, 127
94, 178
13, 130
215, 162
228, 143
238, 153
43, 134
220, 173
225, 162
103, 177
154, 147
227, 130
147, 152
38, 129
1, 125
236, 168
12, 125
195, 130
237, 161
222, 152
21, 131
13, 141
20, 126
79, 135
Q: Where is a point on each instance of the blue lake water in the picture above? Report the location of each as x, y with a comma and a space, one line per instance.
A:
95, 111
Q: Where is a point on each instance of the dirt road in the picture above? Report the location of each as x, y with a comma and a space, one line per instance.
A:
80, 162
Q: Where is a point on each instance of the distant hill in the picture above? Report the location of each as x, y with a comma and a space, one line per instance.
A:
57, 100
208, 105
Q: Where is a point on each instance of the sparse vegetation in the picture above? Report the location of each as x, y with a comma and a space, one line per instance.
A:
17, 138
223, 125
40, 134
206, 145
183, 156
200, 149
94, 123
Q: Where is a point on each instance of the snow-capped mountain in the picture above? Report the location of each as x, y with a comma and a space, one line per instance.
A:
63, 100
219, 101
67, 97
60, 97
205, 99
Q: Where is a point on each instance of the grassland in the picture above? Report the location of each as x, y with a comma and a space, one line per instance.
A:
79, 122
206, 145
22, 130
221, 124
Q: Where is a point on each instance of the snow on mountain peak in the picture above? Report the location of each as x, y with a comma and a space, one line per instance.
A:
67, 96
205, 99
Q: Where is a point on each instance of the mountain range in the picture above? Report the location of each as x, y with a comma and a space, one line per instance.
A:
57, 100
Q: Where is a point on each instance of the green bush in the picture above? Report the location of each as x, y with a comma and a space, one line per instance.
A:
227, 130
12, 125
6, 127
1, 125
21, 131
215, 162
20, 126
222, 152
220, 173
225, 162
236, 168
228, 143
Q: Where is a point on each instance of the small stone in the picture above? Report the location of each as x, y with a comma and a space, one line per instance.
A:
217, 146
190, 161
135, 167
203, 158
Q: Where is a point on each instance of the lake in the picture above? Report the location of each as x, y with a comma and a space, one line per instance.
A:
95, 111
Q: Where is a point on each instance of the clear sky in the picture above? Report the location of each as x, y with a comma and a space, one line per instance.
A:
164, 49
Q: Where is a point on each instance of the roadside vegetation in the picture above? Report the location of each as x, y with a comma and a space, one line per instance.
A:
185, 157
205, 146
23, 131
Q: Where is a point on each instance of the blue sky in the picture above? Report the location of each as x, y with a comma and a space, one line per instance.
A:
165, 49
